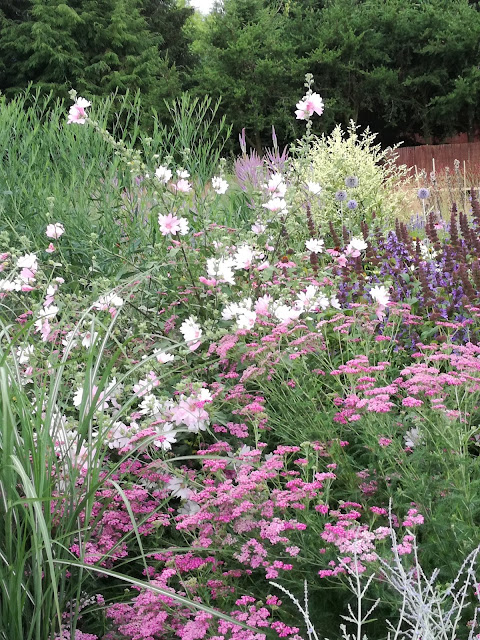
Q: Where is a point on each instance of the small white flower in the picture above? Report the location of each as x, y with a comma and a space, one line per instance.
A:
28, 261
258, 228
315, 245
178, 488
181, 173
314, 188
163, 357
357, 244
334, 302
89, 338
163, 174
219, 185
380, 295
191, 332
24, 353
246, 320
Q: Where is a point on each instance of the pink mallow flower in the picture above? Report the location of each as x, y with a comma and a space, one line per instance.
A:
54, 231
309, 105
182, 186
77, 112
170, 224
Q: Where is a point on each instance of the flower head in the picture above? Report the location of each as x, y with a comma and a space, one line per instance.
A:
314, 188
55, 230
191, 332
380, 295
423, 193
219, 185
351, 182
352, 204
163, 174
309, 105
77, 112
315, 245
170, 224
341, 196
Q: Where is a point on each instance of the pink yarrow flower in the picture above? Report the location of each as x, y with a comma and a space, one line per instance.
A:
77, 112
309, 105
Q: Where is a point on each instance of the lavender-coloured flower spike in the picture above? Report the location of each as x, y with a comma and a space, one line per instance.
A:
341, 196
351, 182
423, 193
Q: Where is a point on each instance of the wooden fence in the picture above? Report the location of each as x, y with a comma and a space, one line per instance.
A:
438, 156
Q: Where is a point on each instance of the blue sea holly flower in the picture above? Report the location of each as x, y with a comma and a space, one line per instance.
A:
423, 193
352, 204
351, 182
341, 196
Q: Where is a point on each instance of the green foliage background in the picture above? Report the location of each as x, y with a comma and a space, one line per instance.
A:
406, 68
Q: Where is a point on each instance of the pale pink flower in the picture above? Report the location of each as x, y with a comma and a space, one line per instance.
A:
277, 205
54, 231
50, 248
77, 112
182, 186
309, 105
170, 224
262, 304
258, 228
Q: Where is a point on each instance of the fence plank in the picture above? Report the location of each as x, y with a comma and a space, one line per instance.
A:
428, 156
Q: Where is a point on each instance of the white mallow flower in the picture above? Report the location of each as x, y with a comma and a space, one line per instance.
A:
244, 257
380, 295
163, 357
221, 269
69, 340
315, 245
322, 302
277, 205
276, 186
166, 436
106, 302
307, 298
150, 405
47, 313
246, 320
314, 188
231, 311
258, 228
179, 489
10, 285
219, 185
163, 174
24, 353
357, 244
413, 437
28, 261
284, 313
191, 331
334, 301
119, 435
182, 174
89, 338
